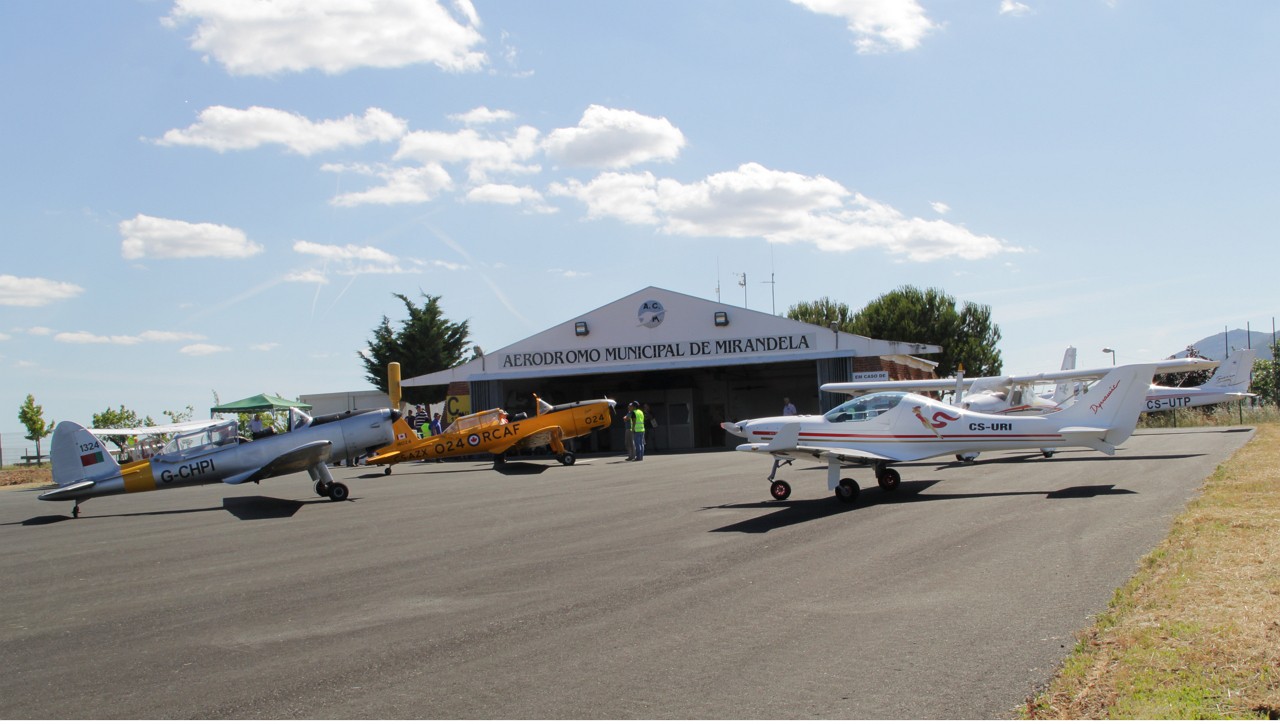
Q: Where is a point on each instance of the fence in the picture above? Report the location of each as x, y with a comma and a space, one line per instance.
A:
16, 449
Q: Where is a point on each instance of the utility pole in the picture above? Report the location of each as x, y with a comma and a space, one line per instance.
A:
742, 282
773, 294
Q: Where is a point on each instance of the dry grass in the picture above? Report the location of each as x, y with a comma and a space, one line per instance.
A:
25, 475
1196, 633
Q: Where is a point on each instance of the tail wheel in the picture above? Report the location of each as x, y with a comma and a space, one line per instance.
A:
386, 470
338, 492
847, 491
889, 479
780, 490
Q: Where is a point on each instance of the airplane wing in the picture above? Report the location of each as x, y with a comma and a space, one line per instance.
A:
538, 438
786, 444
166, 429
296, 460
1186, 364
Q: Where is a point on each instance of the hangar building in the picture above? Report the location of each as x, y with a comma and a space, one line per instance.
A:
695, 362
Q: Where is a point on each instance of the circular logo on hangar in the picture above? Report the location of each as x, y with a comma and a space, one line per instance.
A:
651, 313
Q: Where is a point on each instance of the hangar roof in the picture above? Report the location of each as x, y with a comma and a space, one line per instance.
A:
657, 327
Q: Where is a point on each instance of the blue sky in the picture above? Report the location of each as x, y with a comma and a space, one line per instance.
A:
221, 196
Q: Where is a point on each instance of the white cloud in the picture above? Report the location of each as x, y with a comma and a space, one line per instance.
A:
264, 347
878, 26
940, 207
613, 138
34, 291
307, 276
481, 116
781, 207
202, 350
156, 238
483, 155
401, 184
264, 37
509, 195
1013, 7
630, 197
232, 129
125, 340
351, 258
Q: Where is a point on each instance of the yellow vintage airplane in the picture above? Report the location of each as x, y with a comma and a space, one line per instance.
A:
493, 431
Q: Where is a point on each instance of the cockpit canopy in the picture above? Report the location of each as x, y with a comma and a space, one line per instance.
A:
197, 441
865, 407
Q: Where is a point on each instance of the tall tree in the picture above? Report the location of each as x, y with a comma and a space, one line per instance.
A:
1266, 377
425, 342
31, 416
822, 313
929, 316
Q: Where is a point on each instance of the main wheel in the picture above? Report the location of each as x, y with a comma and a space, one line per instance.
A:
322, 489
386, 470
780, 490
889, 479
847, 491
338, 492
568, 459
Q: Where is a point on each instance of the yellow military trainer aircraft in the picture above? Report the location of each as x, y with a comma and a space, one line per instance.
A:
493, 431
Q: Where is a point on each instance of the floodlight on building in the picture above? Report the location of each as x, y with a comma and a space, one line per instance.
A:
722, 319
580, 329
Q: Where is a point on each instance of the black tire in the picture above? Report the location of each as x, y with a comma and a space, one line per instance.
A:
322, 489
386, 470
338, 492
568, 459
780, 489
889, 479
847, 491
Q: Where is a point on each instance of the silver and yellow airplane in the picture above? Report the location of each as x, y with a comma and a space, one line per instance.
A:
83, 468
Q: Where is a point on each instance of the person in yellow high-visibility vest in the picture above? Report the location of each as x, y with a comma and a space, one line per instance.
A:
637, 429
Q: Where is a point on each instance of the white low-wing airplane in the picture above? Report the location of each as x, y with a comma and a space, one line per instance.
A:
1228, 384
83, 469
881, 428
1014, 394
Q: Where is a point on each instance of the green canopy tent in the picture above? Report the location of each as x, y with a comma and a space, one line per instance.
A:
259, 403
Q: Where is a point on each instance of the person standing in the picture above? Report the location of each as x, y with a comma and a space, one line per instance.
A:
637, 429
787, 407
437, 426
627, 439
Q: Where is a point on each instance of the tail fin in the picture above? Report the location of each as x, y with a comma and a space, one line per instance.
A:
78, 455
1234, 372
542, 406
1065, 389
1108, 413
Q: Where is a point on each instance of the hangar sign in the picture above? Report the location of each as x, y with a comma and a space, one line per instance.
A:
729, 348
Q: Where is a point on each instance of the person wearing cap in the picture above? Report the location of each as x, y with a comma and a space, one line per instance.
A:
637, 429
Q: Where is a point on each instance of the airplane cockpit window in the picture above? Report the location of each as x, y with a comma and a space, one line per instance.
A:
866, 407
190, 443
298, 419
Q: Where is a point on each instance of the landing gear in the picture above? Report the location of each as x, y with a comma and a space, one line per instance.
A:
847, 491
779, 489
326, 486
566, 458
888, 478
386, 470
75, 512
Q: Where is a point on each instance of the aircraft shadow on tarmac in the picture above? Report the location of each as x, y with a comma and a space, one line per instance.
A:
251, 507
784, 513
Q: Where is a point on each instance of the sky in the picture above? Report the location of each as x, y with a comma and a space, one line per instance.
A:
208, 199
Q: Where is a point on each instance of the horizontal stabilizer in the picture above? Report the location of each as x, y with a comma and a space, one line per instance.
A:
69, 492
295, 461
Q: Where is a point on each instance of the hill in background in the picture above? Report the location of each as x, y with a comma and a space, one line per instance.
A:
1215, 347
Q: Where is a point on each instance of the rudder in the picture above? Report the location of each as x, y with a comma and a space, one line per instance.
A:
76, 455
